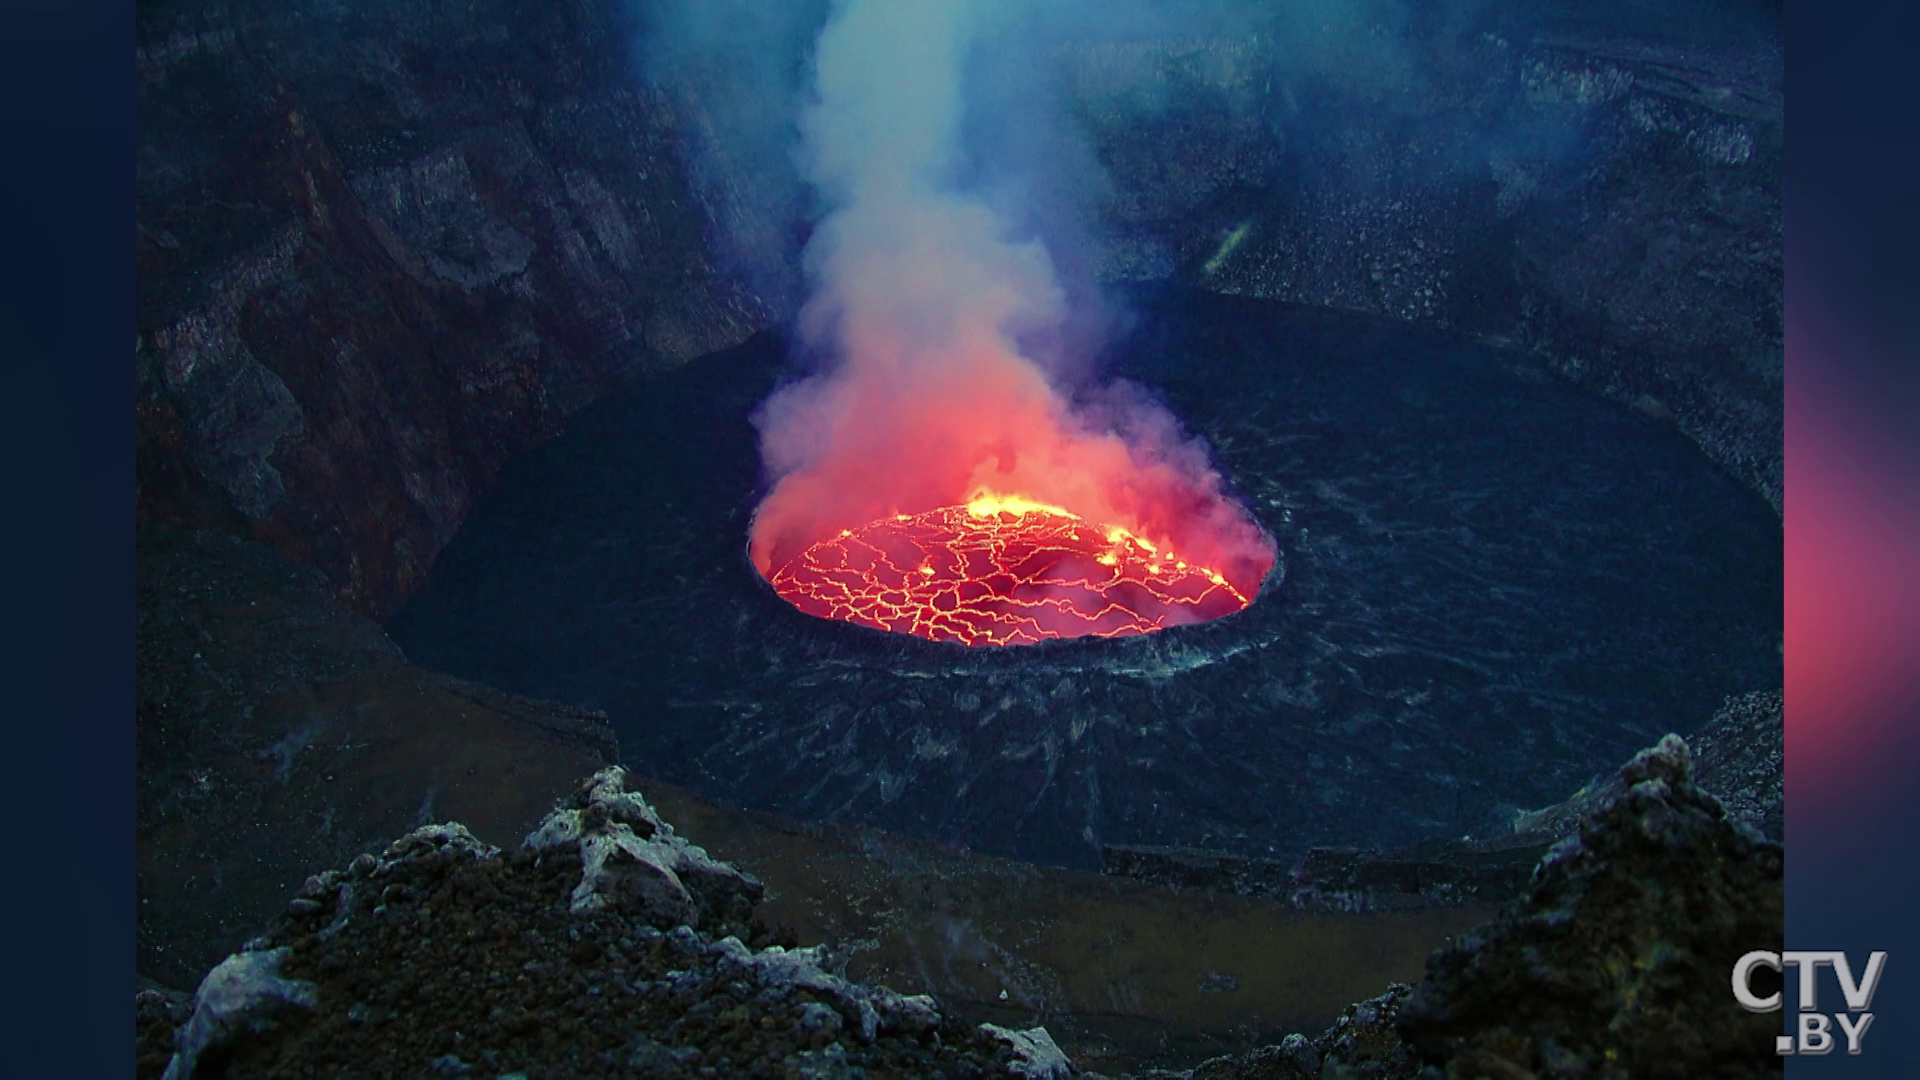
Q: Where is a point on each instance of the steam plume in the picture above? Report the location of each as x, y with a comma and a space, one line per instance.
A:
921, 295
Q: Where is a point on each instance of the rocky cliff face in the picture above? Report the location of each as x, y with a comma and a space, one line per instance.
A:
277, 731
1610, 204
382, 248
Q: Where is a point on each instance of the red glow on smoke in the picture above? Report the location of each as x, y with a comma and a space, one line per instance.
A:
924, 303
900, 432
1002, 571
911, 431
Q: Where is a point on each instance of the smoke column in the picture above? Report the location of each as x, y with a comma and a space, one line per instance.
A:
920, 295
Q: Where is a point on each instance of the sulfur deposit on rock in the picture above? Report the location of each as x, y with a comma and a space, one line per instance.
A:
631, 860
240, 997
1038, 1056
606, 946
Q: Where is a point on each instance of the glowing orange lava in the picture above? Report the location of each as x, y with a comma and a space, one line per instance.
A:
1002, 570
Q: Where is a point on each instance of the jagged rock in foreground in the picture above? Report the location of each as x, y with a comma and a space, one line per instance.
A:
1037, 1056
1738, 758
631, 860
1614, 965
573, 957
243, 995
605, 946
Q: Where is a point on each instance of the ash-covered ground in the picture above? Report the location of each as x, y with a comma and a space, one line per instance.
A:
1492, 585
607, 945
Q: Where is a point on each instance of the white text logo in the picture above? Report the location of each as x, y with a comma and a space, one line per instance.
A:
1815, 1028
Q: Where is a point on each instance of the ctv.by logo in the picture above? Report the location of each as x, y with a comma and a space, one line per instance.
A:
1816, 1031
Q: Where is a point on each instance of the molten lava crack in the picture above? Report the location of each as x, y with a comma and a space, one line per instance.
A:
1001, 571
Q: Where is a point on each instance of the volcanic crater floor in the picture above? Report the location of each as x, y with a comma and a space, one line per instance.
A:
1495, 586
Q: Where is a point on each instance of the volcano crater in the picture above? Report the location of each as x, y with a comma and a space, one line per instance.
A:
1491, 586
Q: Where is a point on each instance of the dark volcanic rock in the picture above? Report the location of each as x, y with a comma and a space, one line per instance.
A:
158, 1011
1363, 1044
1604, 195
446, 957
1616, 963
1197, 868
1738, 761
382, 248
1613, 965
1737, 758
1435, 873
278, 731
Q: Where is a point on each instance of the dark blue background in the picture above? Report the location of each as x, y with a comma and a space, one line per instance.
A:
1853, 287
66, 333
